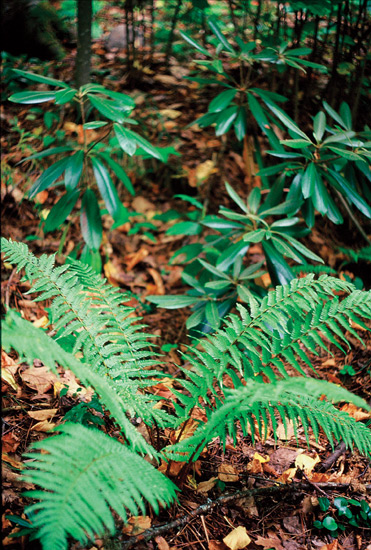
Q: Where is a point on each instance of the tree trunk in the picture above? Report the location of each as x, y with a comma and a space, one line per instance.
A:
83, 56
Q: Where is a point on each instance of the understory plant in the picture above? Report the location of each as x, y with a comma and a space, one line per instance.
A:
87, 162
216, 269
239, 377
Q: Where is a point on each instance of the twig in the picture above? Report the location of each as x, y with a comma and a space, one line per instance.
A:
224, 499
330, 460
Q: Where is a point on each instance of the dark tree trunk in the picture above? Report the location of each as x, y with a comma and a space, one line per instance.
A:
83, 56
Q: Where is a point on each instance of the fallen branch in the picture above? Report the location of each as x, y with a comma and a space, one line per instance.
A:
224, 499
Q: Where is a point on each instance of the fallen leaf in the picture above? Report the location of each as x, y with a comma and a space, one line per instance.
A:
10, 442
287, 475
137, 525
162, 544
42, 415
256, 465
40, 379
142, 205
285, 433
204, 171
306, 463
237, 539
12, 461
8, 370
215, 545
43, 426
131, 260
271, 542
206, 486
228, 474
355, 412
330, 546
160, 289
170, 113
42, 322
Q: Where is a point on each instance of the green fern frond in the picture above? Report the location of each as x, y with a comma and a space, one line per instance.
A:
315, 269
290, 322
95, 316
85, 474
260, 404
32, 343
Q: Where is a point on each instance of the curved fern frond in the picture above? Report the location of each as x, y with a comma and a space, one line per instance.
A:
95, 317
32, 343
290, 322
85, 474
260, 405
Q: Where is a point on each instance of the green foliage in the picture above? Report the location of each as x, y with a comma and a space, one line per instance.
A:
347, 512
84, 473
216, 274
95, 474
82, 164
241, 102
334, 162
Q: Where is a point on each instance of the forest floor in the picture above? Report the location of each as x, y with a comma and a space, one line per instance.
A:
280, 516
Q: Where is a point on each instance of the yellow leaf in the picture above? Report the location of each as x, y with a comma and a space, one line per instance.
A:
42, 415
306, 463
170, 113
237, 539
43, 426
204, 170
260, 458
42, 322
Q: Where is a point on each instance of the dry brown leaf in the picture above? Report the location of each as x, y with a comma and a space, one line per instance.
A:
43, 426
248, 505
272, 542
162, 544
170, 113
256, 465
330, 546
287, 475
137, 525
10, 442
285, 434
12, 461
43, 414
204, 171
186, 430
228, 474
8, 370
215, 545
142, 205
40, 379
160, 289
355, 412
237, 539
131, 260
206, 486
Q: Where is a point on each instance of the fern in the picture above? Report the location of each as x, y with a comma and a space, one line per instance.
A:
98, 324
240, 375
84, 474
261, 344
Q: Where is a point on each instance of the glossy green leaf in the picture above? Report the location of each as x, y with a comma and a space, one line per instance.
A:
342, 137
334, 115
295, 143
107, 108
48, 177
349, 192
240, 124
196, 318
225, 120
172, 301
218, 33
308, 181
253, 200
126, 142
279, 270
194, 43
119, 172
219, 223
222, 100
74, 170
39, 78
244, 293
236, 198
214, 270
46, 153
319, 126
231, 253
32, 97
251, 272
287, 207
90, 220
218, 285
94, 124
346, 115
285, 119
61, 210
145, 145
255, 236
349, 155
273, 96
184, 228
284, 249
302, 249
64, 96
106, 188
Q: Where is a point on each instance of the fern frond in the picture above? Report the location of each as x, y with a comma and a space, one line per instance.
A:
98, 321
309, 268
32, 343
290, 322
84, 474
259, 404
